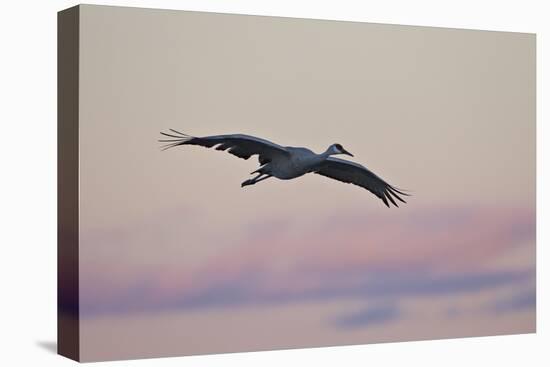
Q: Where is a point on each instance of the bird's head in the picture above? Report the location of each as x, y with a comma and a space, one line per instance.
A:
338, 149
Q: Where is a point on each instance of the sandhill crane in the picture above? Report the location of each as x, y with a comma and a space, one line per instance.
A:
286, 163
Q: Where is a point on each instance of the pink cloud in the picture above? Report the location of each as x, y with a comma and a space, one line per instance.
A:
281, 258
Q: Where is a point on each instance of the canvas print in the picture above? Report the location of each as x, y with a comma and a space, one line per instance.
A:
233, 183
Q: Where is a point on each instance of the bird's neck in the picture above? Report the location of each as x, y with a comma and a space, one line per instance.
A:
327, 153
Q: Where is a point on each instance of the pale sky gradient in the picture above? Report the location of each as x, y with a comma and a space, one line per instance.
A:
173, 250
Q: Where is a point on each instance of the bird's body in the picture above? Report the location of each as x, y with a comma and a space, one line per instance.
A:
297, 163
287, 163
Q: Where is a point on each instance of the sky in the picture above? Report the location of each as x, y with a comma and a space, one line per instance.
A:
176, 258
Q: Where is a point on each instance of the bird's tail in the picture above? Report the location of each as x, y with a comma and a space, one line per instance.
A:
175, 140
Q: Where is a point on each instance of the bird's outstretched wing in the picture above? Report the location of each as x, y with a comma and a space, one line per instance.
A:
240, 145
351, 172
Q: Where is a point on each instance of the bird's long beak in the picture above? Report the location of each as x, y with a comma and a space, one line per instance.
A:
346, 152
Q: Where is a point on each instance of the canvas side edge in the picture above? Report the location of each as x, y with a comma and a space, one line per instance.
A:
68, 328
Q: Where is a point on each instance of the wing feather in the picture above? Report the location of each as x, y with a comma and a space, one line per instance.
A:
354, 173
239, 145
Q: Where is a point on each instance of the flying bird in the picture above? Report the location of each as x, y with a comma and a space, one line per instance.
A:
286, 163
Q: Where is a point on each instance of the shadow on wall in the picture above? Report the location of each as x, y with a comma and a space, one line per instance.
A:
50, 346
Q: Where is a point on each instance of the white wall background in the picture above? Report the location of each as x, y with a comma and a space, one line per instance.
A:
28, 182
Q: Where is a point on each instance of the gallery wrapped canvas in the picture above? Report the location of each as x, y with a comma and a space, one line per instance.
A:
392, 194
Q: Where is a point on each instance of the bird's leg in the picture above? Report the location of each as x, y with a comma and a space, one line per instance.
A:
251, 181
254, 180
263, 178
